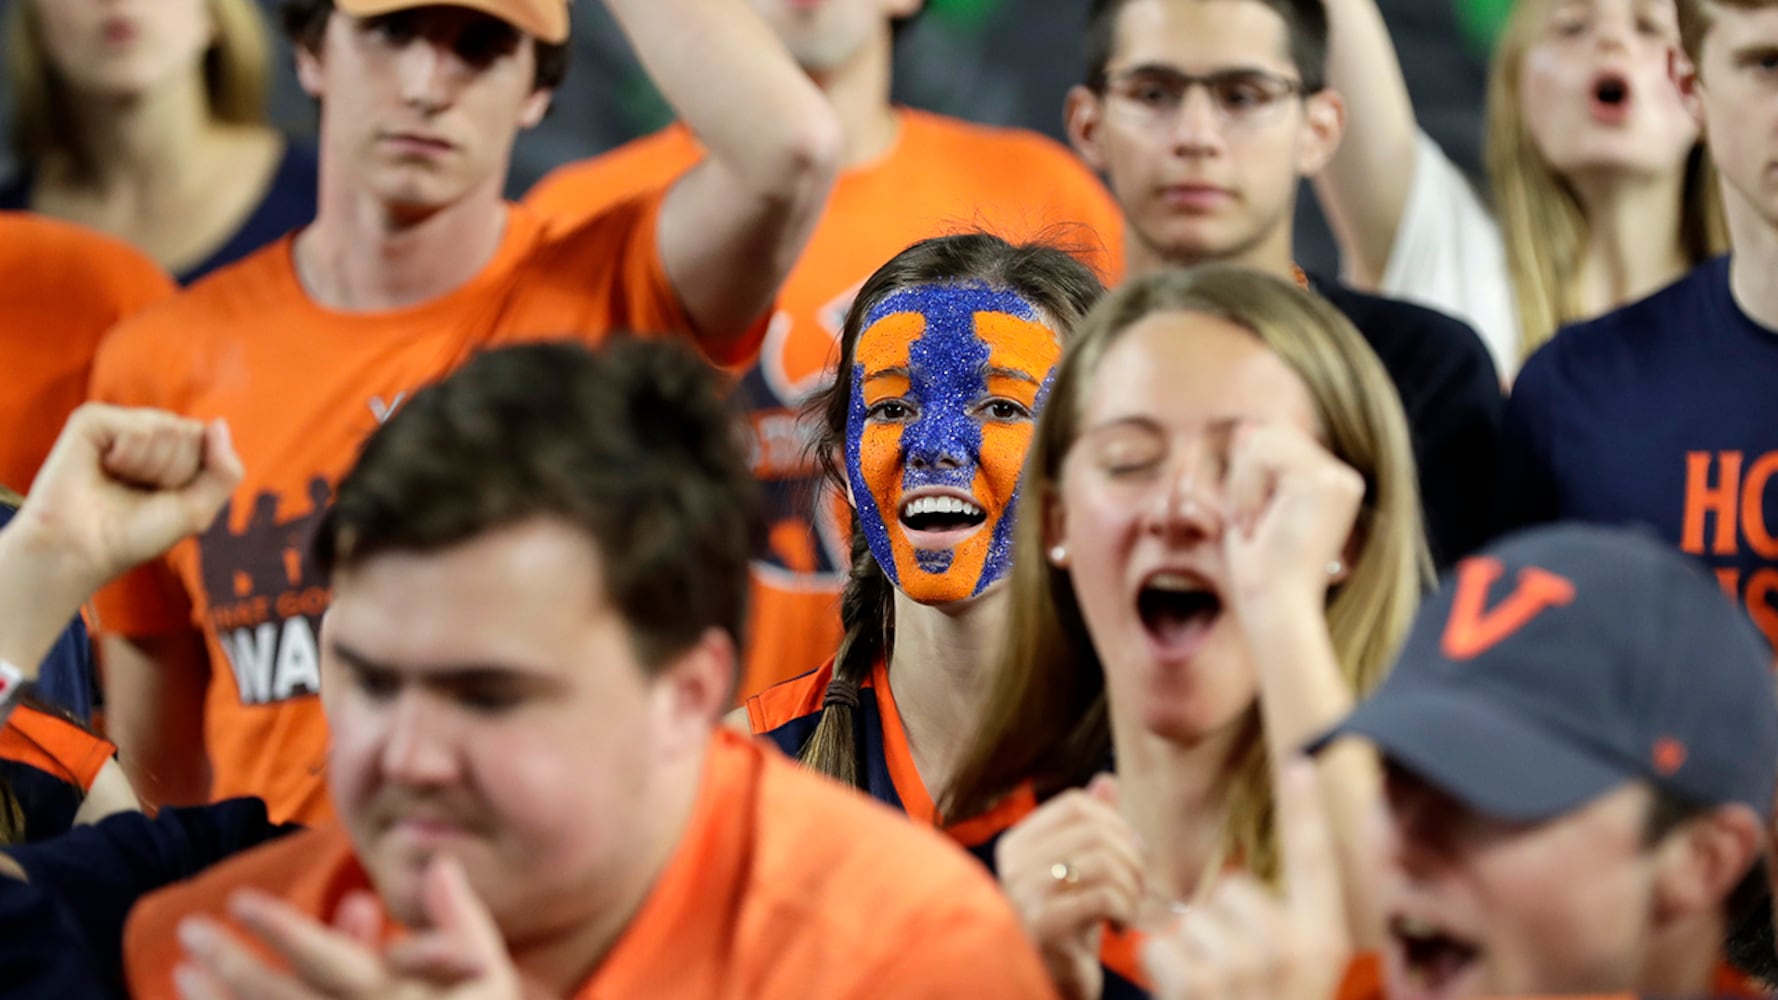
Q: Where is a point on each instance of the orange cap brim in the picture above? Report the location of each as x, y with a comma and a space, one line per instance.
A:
545, 20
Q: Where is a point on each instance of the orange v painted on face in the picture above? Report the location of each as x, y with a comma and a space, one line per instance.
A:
946, 384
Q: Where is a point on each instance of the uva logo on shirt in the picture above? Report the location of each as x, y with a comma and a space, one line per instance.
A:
1731, 507
383, 409
263, 602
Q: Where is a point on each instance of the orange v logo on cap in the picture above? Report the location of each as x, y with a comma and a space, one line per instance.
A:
1474, 628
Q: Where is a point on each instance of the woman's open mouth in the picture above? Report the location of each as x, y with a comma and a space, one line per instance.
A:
940, 520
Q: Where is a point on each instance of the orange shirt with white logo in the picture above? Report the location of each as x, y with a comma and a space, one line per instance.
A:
783, 885
941, 176
61, 288
301, 386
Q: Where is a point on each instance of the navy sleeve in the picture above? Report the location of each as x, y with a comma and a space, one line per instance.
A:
65, 678
95, 874
41, 952
1524, 479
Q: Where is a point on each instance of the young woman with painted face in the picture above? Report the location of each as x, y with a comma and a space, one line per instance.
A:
1601, 187
147, 121
945, 359
1221, 547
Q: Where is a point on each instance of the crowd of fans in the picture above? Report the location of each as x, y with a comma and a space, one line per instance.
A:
829, 549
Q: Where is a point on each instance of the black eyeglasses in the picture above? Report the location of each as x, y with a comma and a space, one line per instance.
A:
1153, 96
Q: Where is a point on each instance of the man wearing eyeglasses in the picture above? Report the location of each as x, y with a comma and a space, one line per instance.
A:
1206, 116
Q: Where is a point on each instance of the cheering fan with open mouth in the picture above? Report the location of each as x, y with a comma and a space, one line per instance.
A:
1220, 545
946, 359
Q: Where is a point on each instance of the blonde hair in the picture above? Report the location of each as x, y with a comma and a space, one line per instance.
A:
1542, 224
237, 69
1047, 719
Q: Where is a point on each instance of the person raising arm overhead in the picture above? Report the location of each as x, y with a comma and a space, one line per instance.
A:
1599, 185
414, 263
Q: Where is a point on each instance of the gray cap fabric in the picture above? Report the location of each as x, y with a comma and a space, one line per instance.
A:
1562, 662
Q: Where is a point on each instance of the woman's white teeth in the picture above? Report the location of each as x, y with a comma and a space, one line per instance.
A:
1176, 582
941, 505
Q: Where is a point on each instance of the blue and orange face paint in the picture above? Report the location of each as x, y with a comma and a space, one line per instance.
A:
946, 381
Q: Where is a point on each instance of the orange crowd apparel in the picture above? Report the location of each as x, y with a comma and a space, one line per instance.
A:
61, 288
783, 885
301, 387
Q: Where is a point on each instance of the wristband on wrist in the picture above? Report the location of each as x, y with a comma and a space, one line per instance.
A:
12, 686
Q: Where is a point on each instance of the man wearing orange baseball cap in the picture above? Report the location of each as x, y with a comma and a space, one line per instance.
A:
544, 20
414, 263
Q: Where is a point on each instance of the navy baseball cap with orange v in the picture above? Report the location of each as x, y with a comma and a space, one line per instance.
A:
1565, 661
545, 20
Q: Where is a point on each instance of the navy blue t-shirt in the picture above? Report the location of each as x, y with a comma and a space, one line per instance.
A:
1663, 413
289, 203
62, 934
1450, 392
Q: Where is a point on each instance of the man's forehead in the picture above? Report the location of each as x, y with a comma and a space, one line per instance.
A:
1196, 36
1738, 28
362, 632
510, 594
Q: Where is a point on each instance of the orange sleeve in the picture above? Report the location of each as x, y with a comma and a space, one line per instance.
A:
788, 701
975, 951
572, 194
310, 870
62, 288
618, 252
54, 746
137, 282
148, 600
1363, 979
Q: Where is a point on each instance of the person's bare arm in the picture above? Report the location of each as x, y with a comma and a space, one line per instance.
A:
733, 226
154, 696
737, 720
111, 793
120, 487
1294, 506
1364, 189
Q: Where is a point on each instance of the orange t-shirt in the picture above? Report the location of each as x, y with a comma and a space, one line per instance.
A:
783, 885
942, 176
301, 386
61, 288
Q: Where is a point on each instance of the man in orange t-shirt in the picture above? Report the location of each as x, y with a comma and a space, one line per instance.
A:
908, 175
63, 287
539, 572
414, 263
